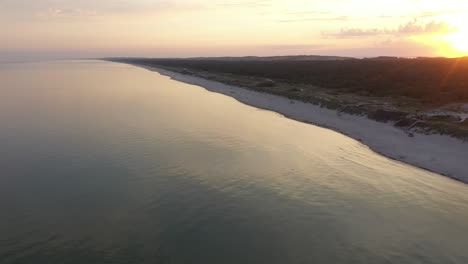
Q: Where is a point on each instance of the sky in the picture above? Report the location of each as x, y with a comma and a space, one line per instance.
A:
37, 29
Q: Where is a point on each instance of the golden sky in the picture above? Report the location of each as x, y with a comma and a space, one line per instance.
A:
181, 28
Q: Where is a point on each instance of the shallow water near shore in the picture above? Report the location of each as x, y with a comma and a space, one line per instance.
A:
109, 163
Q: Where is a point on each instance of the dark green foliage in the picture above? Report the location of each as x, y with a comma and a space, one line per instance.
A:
433, 80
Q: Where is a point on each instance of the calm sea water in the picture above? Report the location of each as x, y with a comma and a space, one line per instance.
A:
109, 163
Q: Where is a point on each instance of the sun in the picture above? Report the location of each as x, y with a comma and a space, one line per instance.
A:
459, 41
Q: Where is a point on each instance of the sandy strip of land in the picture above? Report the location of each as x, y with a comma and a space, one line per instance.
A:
437, 153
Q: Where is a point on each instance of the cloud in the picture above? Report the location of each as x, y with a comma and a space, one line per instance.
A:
410, 28
428, 14
293, 47
354, 32
330, 18
65, 13
244, 4
432, 27
54, 8
313, 15
310, 13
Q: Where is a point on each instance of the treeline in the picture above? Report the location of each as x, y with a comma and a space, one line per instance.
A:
433, 80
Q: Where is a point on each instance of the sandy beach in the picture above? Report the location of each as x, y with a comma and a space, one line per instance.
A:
437, 153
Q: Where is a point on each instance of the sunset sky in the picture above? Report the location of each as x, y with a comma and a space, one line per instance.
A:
35, 29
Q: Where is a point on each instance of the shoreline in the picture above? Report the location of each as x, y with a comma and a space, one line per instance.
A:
441, 154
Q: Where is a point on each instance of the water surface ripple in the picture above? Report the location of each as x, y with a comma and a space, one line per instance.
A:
109, 163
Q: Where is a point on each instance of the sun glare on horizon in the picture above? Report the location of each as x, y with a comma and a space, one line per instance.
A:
458, 40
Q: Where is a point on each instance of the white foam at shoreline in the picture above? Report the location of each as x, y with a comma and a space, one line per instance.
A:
438, 153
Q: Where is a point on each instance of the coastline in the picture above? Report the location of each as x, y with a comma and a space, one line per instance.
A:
441, 154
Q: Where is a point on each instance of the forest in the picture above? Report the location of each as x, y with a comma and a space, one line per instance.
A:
432, 80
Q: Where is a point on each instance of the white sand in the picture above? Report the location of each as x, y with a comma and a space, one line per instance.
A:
441, 154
